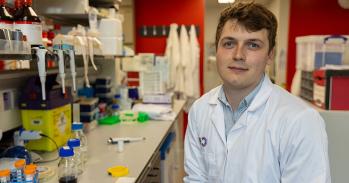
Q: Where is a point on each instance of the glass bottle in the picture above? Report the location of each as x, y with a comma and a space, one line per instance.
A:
79, 134
6, 19
29, 23
75, 145
66, 166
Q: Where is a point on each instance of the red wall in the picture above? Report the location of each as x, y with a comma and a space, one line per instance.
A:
164, 12
160, 12
313, 17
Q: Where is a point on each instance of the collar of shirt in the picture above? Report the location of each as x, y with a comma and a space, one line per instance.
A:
245, 102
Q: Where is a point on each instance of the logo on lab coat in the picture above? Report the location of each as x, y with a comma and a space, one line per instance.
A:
203, 141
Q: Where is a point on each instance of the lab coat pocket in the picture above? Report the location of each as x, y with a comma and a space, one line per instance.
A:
211, 165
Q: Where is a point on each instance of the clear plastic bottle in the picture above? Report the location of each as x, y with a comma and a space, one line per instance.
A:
5, 176
36, 174
19, 165
79, 134
115, 109
66, 167
75, 145
29, 175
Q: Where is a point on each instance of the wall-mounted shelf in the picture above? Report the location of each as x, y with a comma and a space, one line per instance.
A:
15, 56
70, 19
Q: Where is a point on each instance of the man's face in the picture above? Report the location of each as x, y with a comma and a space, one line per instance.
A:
242, 56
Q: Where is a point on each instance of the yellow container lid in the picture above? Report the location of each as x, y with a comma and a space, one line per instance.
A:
118, 171
20, 163
5, 173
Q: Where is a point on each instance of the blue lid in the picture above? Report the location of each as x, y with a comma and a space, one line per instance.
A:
73, 142
66, 151
115, 106
77, 126
117, 96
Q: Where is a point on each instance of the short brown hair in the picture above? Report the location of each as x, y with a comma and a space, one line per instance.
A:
252, 16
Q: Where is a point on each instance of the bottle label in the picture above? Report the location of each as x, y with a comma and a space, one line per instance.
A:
33, 31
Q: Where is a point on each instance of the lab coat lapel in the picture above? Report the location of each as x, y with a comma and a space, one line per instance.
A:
217, 117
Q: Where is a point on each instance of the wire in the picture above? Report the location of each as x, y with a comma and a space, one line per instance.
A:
55, 159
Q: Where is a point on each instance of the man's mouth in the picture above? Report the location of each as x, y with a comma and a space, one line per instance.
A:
234, 68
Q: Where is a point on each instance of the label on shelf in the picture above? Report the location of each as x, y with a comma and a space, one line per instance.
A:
33, 31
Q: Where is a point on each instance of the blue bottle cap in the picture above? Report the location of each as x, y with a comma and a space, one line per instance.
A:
115, 106
77, 126
73, 143
66, 151
117, 96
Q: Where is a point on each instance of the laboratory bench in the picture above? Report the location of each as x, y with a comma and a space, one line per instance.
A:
141, 157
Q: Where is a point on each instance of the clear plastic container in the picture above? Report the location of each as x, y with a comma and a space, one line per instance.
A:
66, 167
75, 145
36, 173
115, 109
19, 165
5, 176
78, 133
29, 175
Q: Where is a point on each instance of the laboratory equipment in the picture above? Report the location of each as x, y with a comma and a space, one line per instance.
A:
77, 132
61, 61
331, 89
5, 176
52, 117
19, 168
41, 61
29, 23
29, 175
78, 159
124, 139
6, 20
66, 168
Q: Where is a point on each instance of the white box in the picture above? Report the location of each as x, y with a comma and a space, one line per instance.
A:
112, 46
166, 98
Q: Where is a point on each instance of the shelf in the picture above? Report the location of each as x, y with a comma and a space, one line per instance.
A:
14, 74
103, 3
15, 56
70, 19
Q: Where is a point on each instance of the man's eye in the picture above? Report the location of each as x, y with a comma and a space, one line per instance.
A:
253, 45
228, 44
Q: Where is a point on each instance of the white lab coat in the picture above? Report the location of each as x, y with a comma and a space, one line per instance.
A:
192, 77
184, 66
277, 139
172, 52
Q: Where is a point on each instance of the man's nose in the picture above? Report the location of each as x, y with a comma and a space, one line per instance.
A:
239, 53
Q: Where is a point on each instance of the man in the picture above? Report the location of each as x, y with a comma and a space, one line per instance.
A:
248, 129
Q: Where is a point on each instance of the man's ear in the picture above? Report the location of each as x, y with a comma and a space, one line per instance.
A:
271, 55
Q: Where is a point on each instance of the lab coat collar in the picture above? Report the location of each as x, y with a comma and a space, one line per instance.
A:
217, 117
261, 97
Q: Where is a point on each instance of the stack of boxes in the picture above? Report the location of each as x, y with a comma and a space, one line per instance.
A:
88, 110
103, 90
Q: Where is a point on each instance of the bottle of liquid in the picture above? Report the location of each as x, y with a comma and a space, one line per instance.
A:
19, 165
29, 175
29, 23
6, 19
36, 174
5, 176
75, 145
79, 134
66, 166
